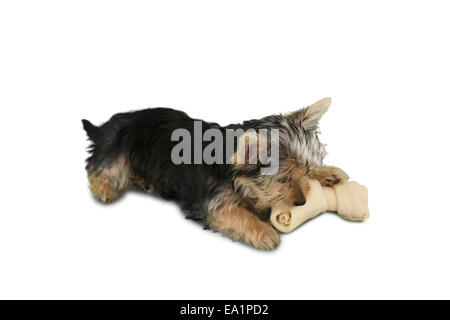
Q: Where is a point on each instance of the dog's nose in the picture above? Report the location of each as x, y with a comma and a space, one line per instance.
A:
300, 202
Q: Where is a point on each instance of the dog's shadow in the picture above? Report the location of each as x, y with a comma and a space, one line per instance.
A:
148, 194
155, 197
132, 190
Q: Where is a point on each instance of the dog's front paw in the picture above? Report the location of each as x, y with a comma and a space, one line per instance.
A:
266, 239
331, 176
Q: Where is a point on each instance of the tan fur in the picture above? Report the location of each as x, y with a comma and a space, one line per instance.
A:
228, 215
286, 187
328, 176
110, 183
240, 224
226, 200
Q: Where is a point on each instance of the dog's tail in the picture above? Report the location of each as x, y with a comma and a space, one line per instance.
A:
94, 133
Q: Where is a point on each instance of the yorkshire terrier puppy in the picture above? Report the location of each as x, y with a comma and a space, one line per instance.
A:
229, 189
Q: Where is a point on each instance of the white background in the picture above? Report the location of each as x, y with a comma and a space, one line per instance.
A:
384, 63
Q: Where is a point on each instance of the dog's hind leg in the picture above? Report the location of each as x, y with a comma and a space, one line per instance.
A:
142, 183
108, 183
240, 224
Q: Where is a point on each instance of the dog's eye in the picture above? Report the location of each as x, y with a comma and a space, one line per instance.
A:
299, 202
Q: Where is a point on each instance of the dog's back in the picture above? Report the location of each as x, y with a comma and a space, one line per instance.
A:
135, 148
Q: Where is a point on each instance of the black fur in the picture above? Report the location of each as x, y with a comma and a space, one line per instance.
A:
136, 148
145, 138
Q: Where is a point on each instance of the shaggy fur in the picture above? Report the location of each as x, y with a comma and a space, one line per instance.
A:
135, 148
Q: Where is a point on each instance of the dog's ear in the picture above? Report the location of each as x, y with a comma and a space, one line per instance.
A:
308, 118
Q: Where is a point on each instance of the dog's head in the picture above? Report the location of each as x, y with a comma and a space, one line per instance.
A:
295, 151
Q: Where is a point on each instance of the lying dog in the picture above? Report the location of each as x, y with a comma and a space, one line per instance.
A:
231, 194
